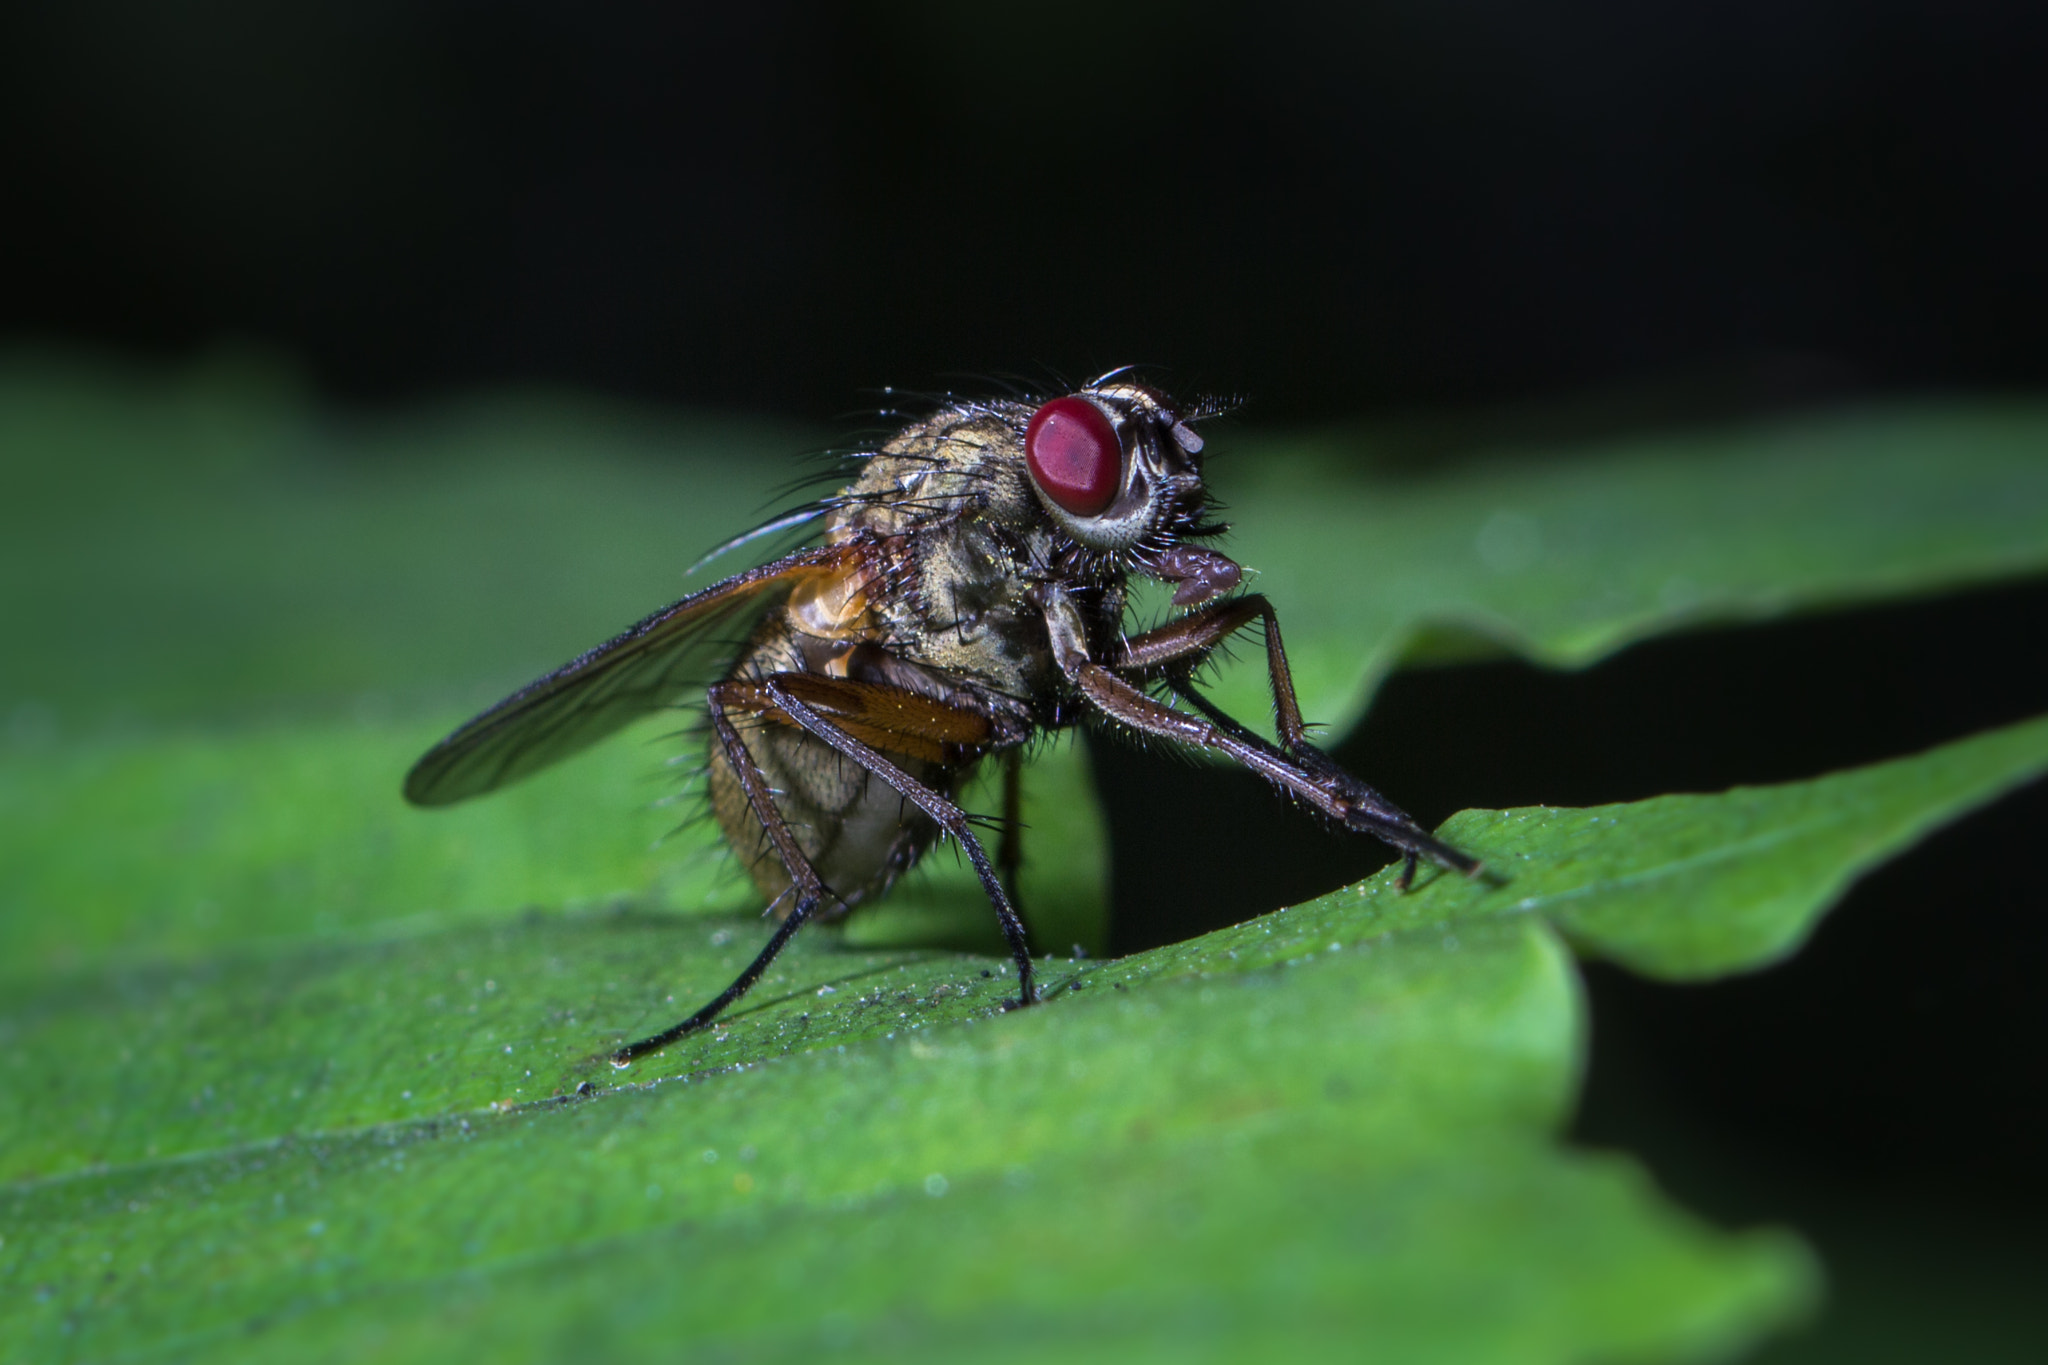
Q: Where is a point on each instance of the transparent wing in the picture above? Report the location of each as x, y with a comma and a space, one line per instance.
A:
656, 664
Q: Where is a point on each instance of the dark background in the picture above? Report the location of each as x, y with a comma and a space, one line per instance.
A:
1688, 211
1329, 207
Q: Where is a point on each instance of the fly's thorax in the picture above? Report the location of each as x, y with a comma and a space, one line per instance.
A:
967, 606
957, 462
951, 533
962, 531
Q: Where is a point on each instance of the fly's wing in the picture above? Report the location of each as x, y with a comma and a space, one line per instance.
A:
653, 665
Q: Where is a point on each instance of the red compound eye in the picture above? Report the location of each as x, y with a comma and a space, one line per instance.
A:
1074, 455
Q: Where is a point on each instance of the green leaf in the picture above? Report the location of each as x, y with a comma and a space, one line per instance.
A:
1565, 557
1739, 878
1328, 1122
284, 1056
234, 841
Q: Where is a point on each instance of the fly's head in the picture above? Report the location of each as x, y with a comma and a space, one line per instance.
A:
1118, 470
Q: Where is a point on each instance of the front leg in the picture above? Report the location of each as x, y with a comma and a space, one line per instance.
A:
1176, 649
1301, 770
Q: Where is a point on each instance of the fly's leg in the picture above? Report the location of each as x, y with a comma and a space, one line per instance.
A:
1010, 843
1309, 777
809, 891
1299, 769
1308, 755
1174, 650
941, 811
784, 932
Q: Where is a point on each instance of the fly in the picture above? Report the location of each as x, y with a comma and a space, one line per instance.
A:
967, 593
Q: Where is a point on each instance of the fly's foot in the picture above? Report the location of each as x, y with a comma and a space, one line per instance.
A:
1409, 862
1367, 812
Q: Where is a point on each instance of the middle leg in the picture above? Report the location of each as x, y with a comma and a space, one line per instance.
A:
1010, 842
780, 689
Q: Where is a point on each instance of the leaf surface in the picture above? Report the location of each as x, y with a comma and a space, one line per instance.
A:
293, 1070
1362, 1088
1565, 557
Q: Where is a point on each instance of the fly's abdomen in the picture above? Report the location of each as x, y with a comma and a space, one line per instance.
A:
853, 827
